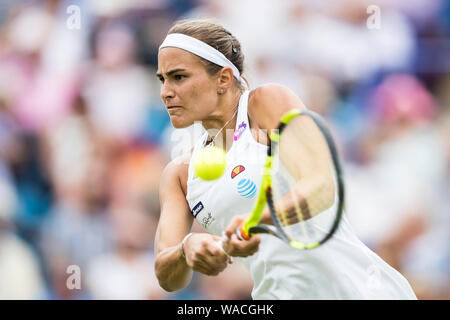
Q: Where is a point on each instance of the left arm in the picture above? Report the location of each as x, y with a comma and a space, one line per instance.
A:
261, 109
267, 104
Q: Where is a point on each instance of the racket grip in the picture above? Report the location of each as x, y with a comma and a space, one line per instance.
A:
240, 232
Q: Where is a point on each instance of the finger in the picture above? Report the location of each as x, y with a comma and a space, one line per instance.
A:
207, 270
234, 224
200, 268
254, 240
245, 244
217, 253
208, 266
214, 256
212, 246
243, 248
206, 258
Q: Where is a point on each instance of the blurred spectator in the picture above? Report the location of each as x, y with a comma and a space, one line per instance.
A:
353, 51
24, 157
387, 205
127, 272
116, 108
77, 227
33, 103
20, 274
426, 260
420, 12
135, 174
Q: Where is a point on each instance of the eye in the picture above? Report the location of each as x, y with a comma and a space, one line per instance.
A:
161, 79
179, 77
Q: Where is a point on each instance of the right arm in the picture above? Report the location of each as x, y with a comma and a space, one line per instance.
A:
175, 221
174, 271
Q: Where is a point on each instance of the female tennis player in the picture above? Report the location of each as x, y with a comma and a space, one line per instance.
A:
200, 66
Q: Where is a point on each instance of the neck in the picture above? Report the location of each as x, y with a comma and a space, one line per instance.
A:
226, 105
223, 119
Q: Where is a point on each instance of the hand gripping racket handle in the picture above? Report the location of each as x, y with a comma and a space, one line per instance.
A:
240, 232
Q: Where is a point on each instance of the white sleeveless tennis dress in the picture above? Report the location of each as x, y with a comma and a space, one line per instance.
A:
342, 268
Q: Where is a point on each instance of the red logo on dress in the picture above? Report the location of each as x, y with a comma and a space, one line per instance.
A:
236, 171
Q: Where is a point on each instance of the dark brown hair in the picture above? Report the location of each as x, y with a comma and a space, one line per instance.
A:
217, 37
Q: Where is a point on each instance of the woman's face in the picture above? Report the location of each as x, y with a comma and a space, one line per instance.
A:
187, 90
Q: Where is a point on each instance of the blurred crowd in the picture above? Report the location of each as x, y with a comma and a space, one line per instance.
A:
84, 135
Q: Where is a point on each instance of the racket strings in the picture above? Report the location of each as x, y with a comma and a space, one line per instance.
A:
303, 183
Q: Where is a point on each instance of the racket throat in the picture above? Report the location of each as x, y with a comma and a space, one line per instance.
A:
264, 228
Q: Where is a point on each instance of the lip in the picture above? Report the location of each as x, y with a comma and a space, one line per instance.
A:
173, 107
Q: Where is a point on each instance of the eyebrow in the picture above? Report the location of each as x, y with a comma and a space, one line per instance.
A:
170, 72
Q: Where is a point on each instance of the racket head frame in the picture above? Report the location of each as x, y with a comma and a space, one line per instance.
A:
252, 226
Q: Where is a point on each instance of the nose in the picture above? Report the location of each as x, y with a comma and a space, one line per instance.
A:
166, 91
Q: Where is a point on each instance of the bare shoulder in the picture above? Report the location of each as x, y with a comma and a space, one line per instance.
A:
267, 104
176, 172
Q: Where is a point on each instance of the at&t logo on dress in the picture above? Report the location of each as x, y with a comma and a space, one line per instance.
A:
246, 188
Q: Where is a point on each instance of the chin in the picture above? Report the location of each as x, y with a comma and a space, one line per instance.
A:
178, 123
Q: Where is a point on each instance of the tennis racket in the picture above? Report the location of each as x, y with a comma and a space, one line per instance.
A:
301, 184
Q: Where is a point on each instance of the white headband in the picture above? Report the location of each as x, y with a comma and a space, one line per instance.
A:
200, 49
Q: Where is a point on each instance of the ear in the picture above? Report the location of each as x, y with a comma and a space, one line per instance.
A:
225, 78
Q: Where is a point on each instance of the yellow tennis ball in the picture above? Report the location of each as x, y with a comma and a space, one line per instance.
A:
210, 163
